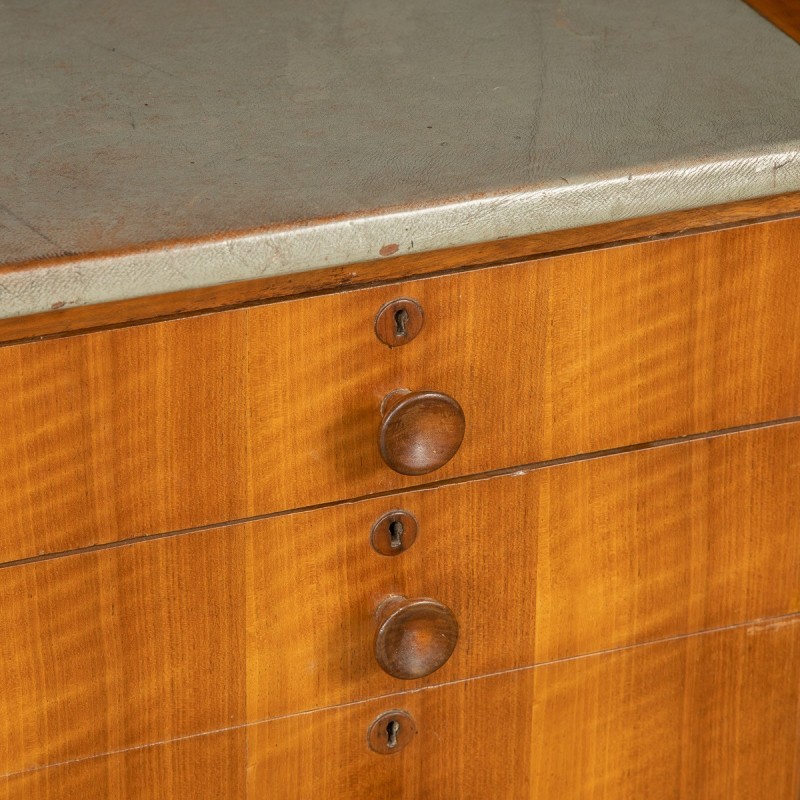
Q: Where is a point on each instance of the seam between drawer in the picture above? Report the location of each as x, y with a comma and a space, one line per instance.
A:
762, 623
518, 470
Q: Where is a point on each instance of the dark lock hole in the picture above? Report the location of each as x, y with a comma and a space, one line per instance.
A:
400, 322
392, 729
396, 531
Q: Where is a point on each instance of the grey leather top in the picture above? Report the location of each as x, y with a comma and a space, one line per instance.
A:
260, 137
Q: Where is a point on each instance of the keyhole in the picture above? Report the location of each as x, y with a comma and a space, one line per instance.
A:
396, 531
392, 729
400, 322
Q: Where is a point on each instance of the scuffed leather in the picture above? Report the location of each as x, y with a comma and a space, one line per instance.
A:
329, 130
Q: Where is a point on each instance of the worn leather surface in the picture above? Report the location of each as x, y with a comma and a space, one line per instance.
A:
289, 135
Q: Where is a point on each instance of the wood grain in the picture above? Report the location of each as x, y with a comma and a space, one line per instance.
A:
681, 538
203, 768
709, 716
783, 13
387, 269
193, 422
712, 716
726, 705
109, 650
120, 647
555, 563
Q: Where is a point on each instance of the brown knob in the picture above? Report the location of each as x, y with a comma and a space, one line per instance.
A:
420, 431
414, 637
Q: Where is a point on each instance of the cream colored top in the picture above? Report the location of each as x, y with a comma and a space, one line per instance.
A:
171, 145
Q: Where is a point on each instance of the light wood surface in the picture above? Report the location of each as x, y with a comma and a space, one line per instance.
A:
562, 561
699, 718
196, 421
708, 717
230, 295
112, 649
645, 545
146, 642
201, 768
121, 434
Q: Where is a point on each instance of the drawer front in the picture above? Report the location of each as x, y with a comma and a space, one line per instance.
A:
661, 721
171, 637
708, 716
209, 767
197, 421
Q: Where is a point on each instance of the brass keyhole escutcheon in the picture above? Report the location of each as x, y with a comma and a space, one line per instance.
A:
399, 321
391, 731
393, 533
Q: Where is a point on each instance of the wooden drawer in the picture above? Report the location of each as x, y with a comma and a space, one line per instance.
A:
707, 716
197, 421
713, 716
208, 767
174, 636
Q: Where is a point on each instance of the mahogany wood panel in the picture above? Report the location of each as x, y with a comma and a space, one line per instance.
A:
699, 718
201, 768
783, 13
713, 716
195, 421
404, 266
168, 637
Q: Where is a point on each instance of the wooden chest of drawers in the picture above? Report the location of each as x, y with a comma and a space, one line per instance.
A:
614, 599
387, 496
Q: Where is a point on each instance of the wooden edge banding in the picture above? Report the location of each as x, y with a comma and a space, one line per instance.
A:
784, 14
235, 295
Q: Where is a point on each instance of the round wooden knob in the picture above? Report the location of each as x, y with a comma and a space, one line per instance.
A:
420, 431
414, 637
